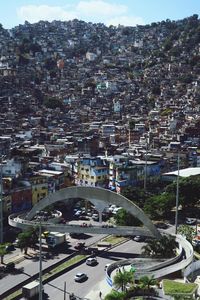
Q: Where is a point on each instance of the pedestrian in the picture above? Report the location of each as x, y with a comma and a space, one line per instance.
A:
100, 294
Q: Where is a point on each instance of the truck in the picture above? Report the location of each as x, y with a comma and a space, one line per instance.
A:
31, 290
55, 239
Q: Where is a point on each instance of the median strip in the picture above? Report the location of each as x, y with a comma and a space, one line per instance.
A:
51, 274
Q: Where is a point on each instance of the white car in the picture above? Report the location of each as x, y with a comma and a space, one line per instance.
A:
95, 217
80, 277
138, 238
91, 261
196, 242
190, 221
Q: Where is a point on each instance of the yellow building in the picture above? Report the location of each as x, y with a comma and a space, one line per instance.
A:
39, 188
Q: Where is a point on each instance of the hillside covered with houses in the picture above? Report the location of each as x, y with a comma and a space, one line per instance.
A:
85, 104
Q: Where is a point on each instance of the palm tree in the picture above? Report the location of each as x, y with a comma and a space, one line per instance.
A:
122, 278
146, 282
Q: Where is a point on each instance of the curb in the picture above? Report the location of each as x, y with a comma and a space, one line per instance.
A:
15, 260
18, 287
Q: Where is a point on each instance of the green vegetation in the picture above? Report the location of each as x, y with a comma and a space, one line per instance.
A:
14, 295
64, 265
28, 239
146, 282
160, 199
124, 279
112, 239
177, 288
115, 295
186, 231
123, 218
54, 271
165, 247
3, 250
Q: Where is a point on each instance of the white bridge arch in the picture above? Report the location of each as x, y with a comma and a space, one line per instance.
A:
100, 198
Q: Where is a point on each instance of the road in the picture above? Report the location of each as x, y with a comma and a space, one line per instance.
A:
55, 288
96, 274
30, 266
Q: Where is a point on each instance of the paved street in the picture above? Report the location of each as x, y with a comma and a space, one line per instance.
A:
30, 266
96, 275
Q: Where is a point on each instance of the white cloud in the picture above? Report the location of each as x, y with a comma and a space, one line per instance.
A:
125, 20
100, 8
34, 13
93, 11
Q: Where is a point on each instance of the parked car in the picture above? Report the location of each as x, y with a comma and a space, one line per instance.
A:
95, 217
80, 277
138, 238
161, 225
79, 246
190, 221
77, 213
196, 242
91, 261
76, 235
10, 247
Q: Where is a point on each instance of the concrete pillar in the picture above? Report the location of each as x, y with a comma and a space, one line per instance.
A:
100, 206
100, 216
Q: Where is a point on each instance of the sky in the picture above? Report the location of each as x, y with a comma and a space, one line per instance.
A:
109, 12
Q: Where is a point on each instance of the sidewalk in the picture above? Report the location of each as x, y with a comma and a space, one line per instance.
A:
18, 256
101, 286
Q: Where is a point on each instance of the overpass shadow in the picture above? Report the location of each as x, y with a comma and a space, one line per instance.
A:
117, 255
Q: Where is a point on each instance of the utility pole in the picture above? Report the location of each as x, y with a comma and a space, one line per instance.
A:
65, 290
177, 193
1, 203
40, 262
145, 170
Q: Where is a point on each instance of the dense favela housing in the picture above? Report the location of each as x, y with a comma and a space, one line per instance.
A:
89, 105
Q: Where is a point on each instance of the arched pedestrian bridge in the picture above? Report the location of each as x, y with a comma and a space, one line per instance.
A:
99, 197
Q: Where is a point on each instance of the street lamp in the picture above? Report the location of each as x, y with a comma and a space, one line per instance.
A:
65, 290
1, 201
40, 262
177, 194
145, 170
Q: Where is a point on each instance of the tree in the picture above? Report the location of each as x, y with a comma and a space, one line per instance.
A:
123, 218
159, 206
189, 190
146, 282
122, 278
136, 195
2, 251
28, 239
165, 247
186, 231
